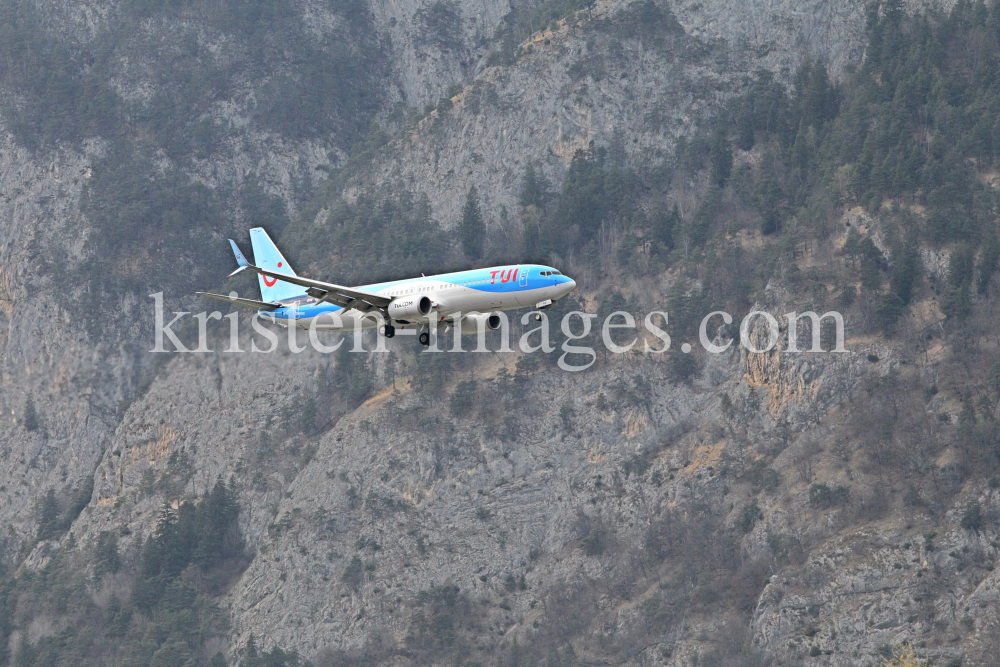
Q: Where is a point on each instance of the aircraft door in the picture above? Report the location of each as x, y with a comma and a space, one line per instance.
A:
524, 278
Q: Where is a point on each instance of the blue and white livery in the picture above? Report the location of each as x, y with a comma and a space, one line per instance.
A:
467, 299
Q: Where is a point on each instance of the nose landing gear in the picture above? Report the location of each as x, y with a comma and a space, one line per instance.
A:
542, 305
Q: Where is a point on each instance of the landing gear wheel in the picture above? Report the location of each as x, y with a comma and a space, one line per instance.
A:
538, 317
387, 330
425, 338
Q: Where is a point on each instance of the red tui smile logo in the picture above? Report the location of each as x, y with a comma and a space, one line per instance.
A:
270, 283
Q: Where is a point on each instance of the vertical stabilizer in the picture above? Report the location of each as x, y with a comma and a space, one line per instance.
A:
267, 256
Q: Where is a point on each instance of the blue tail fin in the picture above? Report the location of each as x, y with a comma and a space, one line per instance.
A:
267, 256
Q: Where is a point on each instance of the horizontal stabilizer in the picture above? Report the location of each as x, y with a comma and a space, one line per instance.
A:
246, 303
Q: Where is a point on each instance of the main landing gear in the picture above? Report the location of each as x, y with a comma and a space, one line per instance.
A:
424, 338
387, 330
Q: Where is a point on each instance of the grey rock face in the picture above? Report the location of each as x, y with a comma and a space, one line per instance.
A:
575, 87
422, 498
77, 393
475, 502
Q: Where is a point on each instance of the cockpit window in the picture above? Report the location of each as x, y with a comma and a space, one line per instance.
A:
549, 273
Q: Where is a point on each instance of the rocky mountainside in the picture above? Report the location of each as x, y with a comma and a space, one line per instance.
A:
577, 82
400, 508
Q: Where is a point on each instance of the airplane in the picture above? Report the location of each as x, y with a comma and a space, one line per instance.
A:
476, 296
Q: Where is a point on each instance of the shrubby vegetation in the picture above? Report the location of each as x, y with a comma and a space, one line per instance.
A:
524, 20
308, 86
154, 606
375, 238
153, 225
908, 139
910, 136
442, 24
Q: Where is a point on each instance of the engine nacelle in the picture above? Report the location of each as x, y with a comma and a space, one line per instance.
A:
488, 321
410, 308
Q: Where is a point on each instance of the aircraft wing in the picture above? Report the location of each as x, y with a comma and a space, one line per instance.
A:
246, 303
347, 297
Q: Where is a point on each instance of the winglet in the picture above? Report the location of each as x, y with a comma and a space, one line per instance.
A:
239, 255
240, 259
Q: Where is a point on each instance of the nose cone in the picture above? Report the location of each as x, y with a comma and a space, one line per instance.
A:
567, 286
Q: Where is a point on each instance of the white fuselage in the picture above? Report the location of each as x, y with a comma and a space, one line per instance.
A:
450, 296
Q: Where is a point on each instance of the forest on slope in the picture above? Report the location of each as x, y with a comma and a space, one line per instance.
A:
746, 211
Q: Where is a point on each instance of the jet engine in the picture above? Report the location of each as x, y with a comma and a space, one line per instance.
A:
409, 308
489, 322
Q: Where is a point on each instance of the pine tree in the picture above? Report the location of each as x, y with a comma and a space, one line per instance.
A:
767, 199
905, 271
721, 157
106, 558
216, 526
957, 301
534, 187
48, 520
473, 229
988, 262
664, 226
30, 415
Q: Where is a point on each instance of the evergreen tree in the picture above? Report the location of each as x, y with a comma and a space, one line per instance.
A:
473, 229
31, 422
888, 309
216, 527
720, 157
534, 187
988, 262
957, 301
707, 213
106, 559
767, 199
665, 225
48, 520
816, 96
905, 271
872, 262
744, 130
